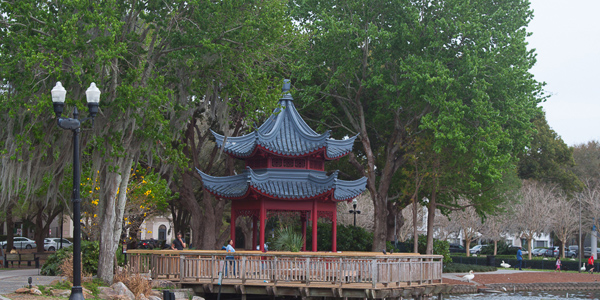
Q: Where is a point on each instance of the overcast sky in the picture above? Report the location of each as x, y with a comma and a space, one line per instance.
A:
566, 36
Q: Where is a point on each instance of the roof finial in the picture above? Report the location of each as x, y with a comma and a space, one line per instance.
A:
287, 85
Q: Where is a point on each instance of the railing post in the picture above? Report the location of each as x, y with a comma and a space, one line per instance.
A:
374, 274
275, 269
307, 271
181, 267
243, 269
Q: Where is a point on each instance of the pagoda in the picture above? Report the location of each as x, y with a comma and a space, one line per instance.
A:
284, 173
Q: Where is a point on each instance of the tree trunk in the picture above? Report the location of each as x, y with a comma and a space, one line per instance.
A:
430, 222
392, 219
39, 232
495, 247
193, 207
468, 244
10, 226
415, 226
112, 209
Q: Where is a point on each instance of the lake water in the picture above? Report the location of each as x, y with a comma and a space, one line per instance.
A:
529, 295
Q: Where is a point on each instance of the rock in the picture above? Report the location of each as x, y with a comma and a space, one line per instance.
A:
60, 293
122, 290
106, 293
142, 297
35, 292
66, 294
152, 297
197, 298
22, 291
157, 294
163, 284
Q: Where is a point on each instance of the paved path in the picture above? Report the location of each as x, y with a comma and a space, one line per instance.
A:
10, 280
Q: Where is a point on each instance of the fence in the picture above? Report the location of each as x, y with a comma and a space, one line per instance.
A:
306, 267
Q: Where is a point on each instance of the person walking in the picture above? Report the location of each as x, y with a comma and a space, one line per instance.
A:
520, 258
230, 258
590, 264
178, 243
558, 264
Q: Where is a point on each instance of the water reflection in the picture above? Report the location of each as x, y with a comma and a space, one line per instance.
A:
530, 295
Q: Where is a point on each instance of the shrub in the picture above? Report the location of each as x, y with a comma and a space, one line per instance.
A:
90, 253
349, 238
135, 282
439, 247
287, 240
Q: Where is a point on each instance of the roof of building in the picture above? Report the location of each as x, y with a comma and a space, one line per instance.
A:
285, 133
283, 184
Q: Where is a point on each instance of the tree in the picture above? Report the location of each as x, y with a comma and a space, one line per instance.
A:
532, 213
548, 159
495, 228
470, 224
564, 220
392, 71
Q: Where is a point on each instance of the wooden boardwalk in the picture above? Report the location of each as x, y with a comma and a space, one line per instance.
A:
306, 275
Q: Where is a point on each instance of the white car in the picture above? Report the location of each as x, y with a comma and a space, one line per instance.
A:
51, 244
476, 249
20, 242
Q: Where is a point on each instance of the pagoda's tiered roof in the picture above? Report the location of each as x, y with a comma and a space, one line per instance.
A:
283, 184
286, 134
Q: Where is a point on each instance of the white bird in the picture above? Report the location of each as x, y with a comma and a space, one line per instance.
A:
504, 265
469, 276
582, 267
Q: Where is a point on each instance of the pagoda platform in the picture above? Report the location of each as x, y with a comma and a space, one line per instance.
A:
302, 275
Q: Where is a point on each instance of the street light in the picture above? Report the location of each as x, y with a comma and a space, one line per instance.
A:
74, 124
354, 211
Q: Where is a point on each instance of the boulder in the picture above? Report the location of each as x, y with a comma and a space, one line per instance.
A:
106, 293
152, 297
34, 291
142, 297
122, 290
157, 294
60, 293
22, 291
197, 298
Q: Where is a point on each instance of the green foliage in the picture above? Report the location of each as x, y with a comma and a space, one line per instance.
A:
89, 259
503, 249
286, 239
349, 238
440, 247
465, 268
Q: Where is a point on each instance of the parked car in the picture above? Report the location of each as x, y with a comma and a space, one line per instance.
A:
523, 251
538, 251
476, 249
587, 251
20, 242
571, 253
457, 248
148, 244
51, 244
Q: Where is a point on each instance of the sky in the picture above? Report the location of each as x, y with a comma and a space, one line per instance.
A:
566, 36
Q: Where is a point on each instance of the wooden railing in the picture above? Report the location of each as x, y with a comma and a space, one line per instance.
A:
307, 267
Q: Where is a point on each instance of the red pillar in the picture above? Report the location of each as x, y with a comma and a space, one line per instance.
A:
334, 231
263, 221
314, 226
233, 217
303, 220
254, 232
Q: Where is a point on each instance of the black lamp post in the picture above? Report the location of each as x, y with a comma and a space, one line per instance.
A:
354, 211
74, 124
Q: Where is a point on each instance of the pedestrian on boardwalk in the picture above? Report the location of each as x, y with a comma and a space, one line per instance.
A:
590, 264
230, 258
178, 243
520, 258
558, 264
